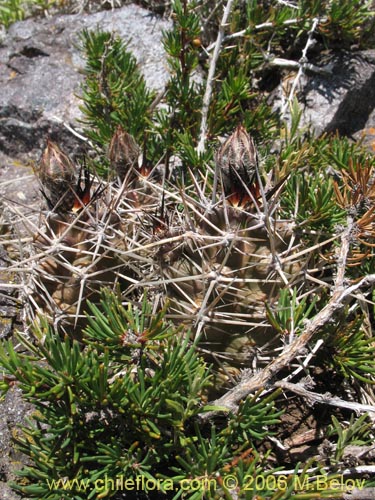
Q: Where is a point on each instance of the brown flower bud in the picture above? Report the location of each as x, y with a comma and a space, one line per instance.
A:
58, 177
237, 160
123, 153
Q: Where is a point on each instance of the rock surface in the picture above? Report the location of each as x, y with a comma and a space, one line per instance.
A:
40, 66
12, 410
342, 99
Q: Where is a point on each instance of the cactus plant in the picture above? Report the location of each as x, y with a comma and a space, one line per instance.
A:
217, 245
216, 263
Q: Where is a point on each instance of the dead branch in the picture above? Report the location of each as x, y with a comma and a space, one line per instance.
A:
327, 399
302, 61
210, 77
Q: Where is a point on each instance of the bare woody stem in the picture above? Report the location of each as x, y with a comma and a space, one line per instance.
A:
301, 68
327, 399
211, 74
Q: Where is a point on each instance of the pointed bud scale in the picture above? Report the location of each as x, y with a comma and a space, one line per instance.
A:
83, 192
123, 152
58, 177
237, 160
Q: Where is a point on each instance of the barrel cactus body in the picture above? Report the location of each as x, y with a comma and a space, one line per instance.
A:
215, 263
74, 264
74, 252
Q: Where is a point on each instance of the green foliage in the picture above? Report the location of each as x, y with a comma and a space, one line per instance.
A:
10, 12
345, 20
352, 350
313, 200
183, 97
340, 152
17, 10
108, 327
356, 433
103, 412
114, 92
291, 313
312, 164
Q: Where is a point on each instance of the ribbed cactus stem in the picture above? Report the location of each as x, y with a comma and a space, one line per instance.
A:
215, 266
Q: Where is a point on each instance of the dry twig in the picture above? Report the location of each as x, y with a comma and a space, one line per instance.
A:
327, 399
210, 77
302, 64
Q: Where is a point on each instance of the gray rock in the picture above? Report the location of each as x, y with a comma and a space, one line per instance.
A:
13, 411
40, 73
342, 101
8, 309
